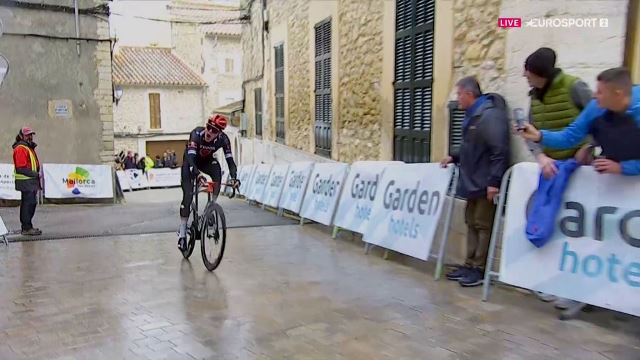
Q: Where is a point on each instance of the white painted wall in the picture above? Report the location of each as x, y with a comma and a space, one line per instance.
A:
256, 151
180, 110
130, 29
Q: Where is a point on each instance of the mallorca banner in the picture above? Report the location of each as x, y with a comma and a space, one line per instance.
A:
77, 181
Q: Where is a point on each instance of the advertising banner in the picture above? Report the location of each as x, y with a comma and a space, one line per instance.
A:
407, 210
358, 196
8, 183
323, 192
77, 181
295, 186
593, 255
163, 177
137, 179
259, 181
275, 185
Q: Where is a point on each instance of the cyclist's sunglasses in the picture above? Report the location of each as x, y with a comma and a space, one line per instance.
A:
213, 129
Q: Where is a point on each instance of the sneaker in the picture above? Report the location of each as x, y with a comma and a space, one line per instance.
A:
564, 304
474, 277
544, 296
32, 232
458, 273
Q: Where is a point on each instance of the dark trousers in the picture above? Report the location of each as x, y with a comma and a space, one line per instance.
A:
479, 216
186, 181
28, 209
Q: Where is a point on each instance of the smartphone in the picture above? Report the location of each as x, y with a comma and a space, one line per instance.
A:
519, 117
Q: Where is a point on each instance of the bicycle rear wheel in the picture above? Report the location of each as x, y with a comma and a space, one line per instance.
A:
213, 236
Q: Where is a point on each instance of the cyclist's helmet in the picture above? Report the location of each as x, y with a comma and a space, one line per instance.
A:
218, 121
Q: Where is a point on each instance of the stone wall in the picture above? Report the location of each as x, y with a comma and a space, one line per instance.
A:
216, 49
299, 124
252, 61
479, 44
103, 94
56, 72
360, 28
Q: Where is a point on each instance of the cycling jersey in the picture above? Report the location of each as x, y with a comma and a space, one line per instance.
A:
200, 151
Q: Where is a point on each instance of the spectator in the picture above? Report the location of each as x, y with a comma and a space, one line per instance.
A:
141, 164
483, 159
613, 119
166, 160
159, 163
174, 159
556, 100
129, 161
27, 178
148, 163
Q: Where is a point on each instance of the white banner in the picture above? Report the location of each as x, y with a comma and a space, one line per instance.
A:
123, 179
323, 192
137, 179
406, 212
361, 188
3, 228
8, 183
295, 186
275, 184
259, 181
245, 175
163, 177
77, 181
593, 255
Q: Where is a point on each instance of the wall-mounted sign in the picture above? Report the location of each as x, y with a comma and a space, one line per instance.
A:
60, 109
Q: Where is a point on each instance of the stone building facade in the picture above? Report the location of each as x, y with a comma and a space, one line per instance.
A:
65, 92
467, 41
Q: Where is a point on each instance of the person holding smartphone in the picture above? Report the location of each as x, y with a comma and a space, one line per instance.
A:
556, 100
612, 119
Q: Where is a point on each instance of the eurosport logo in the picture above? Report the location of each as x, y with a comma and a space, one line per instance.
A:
583, 22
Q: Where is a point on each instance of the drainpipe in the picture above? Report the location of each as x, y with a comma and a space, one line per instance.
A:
75, 5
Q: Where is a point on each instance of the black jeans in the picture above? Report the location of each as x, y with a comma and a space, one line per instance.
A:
28, 209
211, 168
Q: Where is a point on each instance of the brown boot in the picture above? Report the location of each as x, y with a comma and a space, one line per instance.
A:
32, 232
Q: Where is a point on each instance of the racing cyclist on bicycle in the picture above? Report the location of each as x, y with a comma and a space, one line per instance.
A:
199, 157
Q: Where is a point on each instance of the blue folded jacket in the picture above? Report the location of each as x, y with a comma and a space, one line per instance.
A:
541, 219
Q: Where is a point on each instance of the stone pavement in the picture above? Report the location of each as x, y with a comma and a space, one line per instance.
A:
285, 292
147, 211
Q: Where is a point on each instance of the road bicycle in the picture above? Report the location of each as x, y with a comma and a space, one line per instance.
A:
210, 227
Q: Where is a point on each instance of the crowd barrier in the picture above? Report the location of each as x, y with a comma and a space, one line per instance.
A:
593, 255
134, 179
64, 181
394, 205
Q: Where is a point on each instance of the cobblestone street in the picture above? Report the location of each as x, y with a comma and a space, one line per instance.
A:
282, 292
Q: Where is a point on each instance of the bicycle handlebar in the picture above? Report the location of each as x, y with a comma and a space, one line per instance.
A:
233, 189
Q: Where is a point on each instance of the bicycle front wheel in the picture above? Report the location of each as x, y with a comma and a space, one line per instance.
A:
213, 236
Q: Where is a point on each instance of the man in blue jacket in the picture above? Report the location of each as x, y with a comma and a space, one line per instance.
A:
613, 119
483, 159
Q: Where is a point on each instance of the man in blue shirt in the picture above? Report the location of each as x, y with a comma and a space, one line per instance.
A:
612, 118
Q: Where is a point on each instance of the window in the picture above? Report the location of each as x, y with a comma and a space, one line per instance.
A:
413, 80
154, 111
228, 66
258, 110
322, 130
279, 76
456, 119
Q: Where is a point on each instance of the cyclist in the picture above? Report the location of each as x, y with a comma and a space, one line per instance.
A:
199, 157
